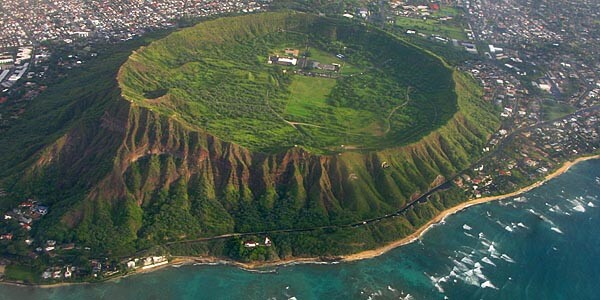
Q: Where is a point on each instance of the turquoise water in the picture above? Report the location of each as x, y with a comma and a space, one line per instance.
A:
545, 245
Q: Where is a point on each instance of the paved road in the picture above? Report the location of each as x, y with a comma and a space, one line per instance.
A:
444, 185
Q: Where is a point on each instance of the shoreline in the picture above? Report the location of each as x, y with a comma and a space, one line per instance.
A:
253, 266
450, 211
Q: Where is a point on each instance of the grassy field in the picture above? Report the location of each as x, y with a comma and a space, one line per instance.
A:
215, 77
448, 11
309, 109
308, 94
21, 273
432, 26
553, 109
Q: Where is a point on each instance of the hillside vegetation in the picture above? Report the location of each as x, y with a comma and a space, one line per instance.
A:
215, 77
123, 174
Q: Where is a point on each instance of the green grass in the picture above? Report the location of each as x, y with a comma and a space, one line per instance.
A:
308, 94
309, 104
448, 11
21, 273
552, 110
216, 78
432, 26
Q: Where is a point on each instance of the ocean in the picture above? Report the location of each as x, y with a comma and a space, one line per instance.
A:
544, 244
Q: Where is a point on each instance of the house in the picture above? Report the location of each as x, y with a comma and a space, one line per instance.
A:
68, 273
148, 261
292, 52
267, 241
47, 274
250, 244
96, 266
326, 67
284, 61
41, 209
363, 12
6, 236
27, 204
131, 264
287, 61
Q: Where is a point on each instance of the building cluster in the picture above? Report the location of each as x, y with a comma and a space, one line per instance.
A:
402, 8
27, 22
146, 263
24, 215
57, 273
252, 243
551, 47
303, 65
529, 56
91, 268
532, 153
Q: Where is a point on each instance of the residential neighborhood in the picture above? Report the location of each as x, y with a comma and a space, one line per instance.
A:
537, 63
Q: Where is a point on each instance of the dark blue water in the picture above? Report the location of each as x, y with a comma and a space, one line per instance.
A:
545, 245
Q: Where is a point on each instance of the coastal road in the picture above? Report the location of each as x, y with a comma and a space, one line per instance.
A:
444, 185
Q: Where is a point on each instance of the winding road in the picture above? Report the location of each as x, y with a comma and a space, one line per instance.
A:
397, 213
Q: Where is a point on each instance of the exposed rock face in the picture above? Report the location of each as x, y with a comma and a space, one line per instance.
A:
127, 171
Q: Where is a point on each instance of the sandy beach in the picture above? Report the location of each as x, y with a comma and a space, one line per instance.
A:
440, 217
208, 260
406, 240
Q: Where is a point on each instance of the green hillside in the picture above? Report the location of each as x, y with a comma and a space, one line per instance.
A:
156, 157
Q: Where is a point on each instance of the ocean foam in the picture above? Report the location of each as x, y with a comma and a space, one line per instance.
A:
436, 283
493, 252
579, 208
467, 261
590, 204
461, 267
520, 199
507, 258
488, 284
477, 272
469, 277
556, 229
488, 261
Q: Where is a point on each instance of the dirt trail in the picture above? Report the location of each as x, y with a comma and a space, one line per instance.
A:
389, 124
